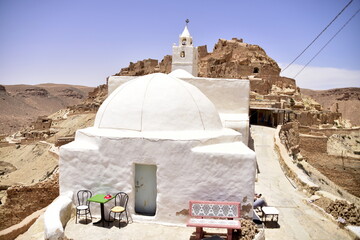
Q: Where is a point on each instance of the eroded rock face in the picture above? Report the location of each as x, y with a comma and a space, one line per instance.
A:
229, 59
342, 100
2, 90
35, 91
236, 59
347, 145
140, 68
71, 93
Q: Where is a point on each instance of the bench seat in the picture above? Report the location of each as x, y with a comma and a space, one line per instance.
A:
212, 214
213, 223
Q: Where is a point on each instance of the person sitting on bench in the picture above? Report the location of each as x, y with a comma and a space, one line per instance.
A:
258, 201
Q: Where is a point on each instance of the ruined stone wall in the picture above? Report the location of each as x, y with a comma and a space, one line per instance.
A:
165, 64
281, 82
235, 59
260, 86
309, 118
229, 59
289, 136
24, 200
202, 51
42, 122
314, 144
328, 131
139, 68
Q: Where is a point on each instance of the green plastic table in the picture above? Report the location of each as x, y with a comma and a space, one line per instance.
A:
99, 198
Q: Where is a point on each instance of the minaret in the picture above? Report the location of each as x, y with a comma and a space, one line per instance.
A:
185, 56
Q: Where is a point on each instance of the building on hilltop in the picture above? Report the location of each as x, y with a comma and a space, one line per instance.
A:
165, 139
230, 96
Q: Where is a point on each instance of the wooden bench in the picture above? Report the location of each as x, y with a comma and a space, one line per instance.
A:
211, 214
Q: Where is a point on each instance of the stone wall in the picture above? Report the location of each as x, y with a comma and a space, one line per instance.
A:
229, 59
310, 118
24, 200
139, 68
289, 136
328, 131
314, 144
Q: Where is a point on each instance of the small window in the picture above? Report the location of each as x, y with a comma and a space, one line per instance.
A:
182, 54
256, 70
183, 41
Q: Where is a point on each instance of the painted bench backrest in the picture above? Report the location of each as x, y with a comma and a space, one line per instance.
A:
208, 209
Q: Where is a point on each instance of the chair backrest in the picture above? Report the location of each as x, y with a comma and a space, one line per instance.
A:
83, 196
121, 199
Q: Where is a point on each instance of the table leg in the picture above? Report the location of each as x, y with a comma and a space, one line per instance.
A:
102, 218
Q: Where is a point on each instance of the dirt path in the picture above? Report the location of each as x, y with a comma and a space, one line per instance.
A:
297, 220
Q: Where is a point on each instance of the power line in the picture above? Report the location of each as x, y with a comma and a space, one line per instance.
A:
318, 35
327, 43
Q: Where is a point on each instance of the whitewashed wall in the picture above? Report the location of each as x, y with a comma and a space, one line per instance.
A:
209, 166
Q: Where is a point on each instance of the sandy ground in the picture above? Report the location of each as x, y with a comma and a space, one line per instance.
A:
32, 162
297, 220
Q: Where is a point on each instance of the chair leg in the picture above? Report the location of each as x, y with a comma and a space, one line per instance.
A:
119, 219
76, 217
127, 219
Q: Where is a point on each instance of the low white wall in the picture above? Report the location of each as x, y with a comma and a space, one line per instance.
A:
57, 215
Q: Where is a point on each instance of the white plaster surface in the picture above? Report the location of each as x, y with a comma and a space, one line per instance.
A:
187, 169
180, 73
57, 215
175, 104
160, 120
230, 97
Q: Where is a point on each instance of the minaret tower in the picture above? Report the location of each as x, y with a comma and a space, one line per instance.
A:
185, 56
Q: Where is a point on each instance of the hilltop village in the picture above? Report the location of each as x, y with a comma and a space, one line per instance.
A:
236, 86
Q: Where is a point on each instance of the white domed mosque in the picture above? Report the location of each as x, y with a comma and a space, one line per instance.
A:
160, 138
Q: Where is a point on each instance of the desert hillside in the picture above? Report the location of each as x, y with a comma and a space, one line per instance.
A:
343, 100
22, 104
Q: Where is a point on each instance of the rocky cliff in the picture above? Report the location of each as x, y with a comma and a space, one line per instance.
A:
22, 104
229, 59
341, 100
236, 59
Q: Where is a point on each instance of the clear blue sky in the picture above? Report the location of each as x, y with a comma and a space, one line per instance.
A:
83, 41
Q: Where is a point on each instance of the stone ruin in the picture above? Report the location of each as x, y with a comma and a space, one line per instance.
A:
92, 102
273, 99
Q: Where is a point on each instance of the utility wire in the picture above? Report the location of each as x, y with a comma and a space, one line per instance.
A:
327, 43
318, 35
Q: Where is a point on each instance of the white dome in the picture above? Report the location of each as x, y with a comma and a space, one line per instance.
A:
158, 102
181, 73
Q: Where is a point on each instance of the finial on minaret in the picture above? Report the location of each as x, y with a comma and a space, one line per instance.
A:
187, 21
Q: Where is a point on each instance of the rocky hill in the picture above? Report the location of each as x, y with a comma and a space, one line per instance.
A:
22, 104
343, 100
229, 59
